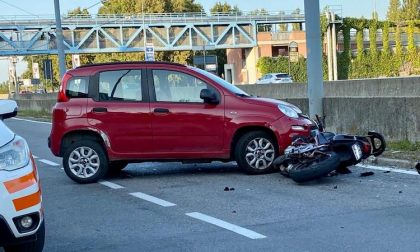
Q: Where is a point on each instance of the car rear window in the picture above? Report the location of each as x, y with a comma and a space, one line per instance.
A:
282, 76
77, 87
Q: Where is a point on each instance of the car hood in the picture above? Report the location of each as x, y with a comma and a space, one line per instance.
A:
268, 102
6, 135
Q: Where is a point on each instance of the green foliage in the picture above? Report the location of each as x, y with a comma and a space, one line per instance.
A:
385, 37
412, 51
4, 88
296, 26
394, 10
225, 7
404, 146
78, 11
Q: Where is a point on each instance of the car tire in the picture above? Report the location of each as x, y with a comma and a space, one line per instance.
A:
33, 246
255, 152
85, 162
117, 166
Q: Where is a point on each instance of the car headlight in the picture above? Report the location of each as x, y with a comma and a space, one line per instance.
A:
289, 111
14, 155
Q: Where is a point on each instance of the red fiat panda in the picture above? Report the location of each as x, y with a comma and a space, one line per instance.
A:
108, 115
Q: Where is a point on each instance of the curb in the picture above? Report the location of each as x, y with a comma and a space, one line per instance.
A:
401, 163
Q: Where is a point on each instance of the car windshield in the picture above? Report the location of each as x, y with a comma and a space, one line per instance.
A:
282, 76
232, 88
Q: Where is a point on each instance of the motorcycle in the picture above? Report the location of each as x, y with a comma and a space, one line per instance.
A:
312, 158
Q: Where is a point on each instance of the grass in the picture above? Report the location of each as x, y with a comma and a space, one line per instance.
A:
404, 146
43, 114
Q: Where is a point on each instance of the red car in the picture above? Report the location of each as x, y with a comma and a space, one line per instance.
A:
109, 115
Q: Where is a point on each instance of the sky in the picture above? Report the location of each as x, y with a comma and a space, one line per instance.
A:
350, 8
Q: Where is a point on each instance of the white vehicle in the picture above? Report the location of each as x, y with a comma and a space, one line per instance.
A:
274, 78
21, 213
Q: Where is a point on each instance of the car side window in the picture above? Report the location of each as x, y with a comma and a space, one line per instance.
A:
173, 86
121, 85
77, 87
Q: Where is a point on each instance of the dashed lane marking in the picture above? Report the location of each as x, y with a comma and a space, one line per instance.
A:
152, 199
226, 225
111, 185
48, 162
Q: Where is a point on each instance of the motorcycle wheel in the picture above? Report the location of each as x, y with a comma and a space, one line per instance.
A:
314, 168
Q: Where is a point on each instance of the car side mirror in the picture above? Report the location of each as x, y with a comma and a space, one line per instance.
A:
209, 96
8, 109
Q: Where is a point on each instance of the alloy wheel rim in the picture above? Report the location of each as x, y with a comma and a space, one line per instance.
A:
259, 153
84, 162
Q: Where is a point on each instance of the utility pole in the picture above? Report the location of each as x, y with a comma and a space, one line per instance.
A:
314, 62
59, 39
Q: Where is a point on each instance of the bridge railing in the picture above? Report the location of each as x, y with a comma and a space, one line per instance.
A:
152, 18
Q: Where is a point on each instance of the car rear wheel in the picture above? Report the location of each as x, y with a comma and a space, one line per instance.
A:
255, 152
85, 162
33, 246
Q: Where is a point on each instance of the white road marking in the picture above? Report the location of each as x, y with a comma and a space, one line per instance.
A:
26, 120
111, 185
152, 199
381, 168
226, 225
48, 162
34, 156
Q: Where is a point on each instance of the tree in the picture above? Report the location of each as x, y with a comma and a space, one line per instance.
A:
410, 9
186, 6
78, 11
225, 8
296, 26
394, 11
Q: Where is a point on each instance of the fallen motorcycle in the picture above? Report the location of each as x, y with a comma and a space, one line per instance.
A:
312, 158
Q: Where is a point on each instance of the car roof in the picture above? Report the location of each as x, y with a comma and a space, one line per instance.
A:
88, 69
131, 63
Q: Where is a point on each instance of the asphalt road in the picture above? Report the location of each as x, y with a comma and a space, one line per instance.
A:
185, 208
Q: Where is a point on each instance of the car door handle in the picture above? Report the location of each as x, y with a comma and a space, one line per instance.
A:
99, 110
161, 110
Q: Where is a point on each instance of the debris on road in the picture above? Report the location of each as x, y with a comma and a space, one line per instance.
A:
335, 187
227, 189
400, 192
366, 174
418, 167
387, 171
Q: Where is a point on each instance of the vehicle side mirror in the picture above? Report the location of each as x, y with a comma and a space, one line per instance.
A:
209, 96
8, 109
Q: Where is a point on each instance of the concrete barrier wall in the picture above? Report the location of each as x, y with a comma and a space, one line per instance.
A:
392, 87
389, 106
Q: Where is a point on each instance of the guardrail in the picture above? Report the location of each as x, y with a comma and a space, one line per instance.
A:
187, 17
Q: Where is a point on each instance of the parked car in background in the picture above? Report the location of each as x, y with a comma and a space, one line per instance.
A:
274, 78
21, 213
108, 115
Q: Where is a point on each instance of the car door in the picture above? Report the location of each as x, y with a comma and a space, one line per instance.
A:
121, 111
183, 125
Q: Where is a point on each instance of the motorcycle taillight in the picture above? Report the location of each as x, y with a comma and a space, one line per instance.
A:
366, 149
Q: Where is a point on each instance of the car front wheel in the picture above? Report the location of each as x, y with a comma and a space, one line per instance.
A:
85, 162
255, 152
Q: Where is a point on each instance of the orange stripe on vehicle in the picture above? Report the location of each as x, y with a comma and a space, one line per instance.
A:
21, 183
27, 201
